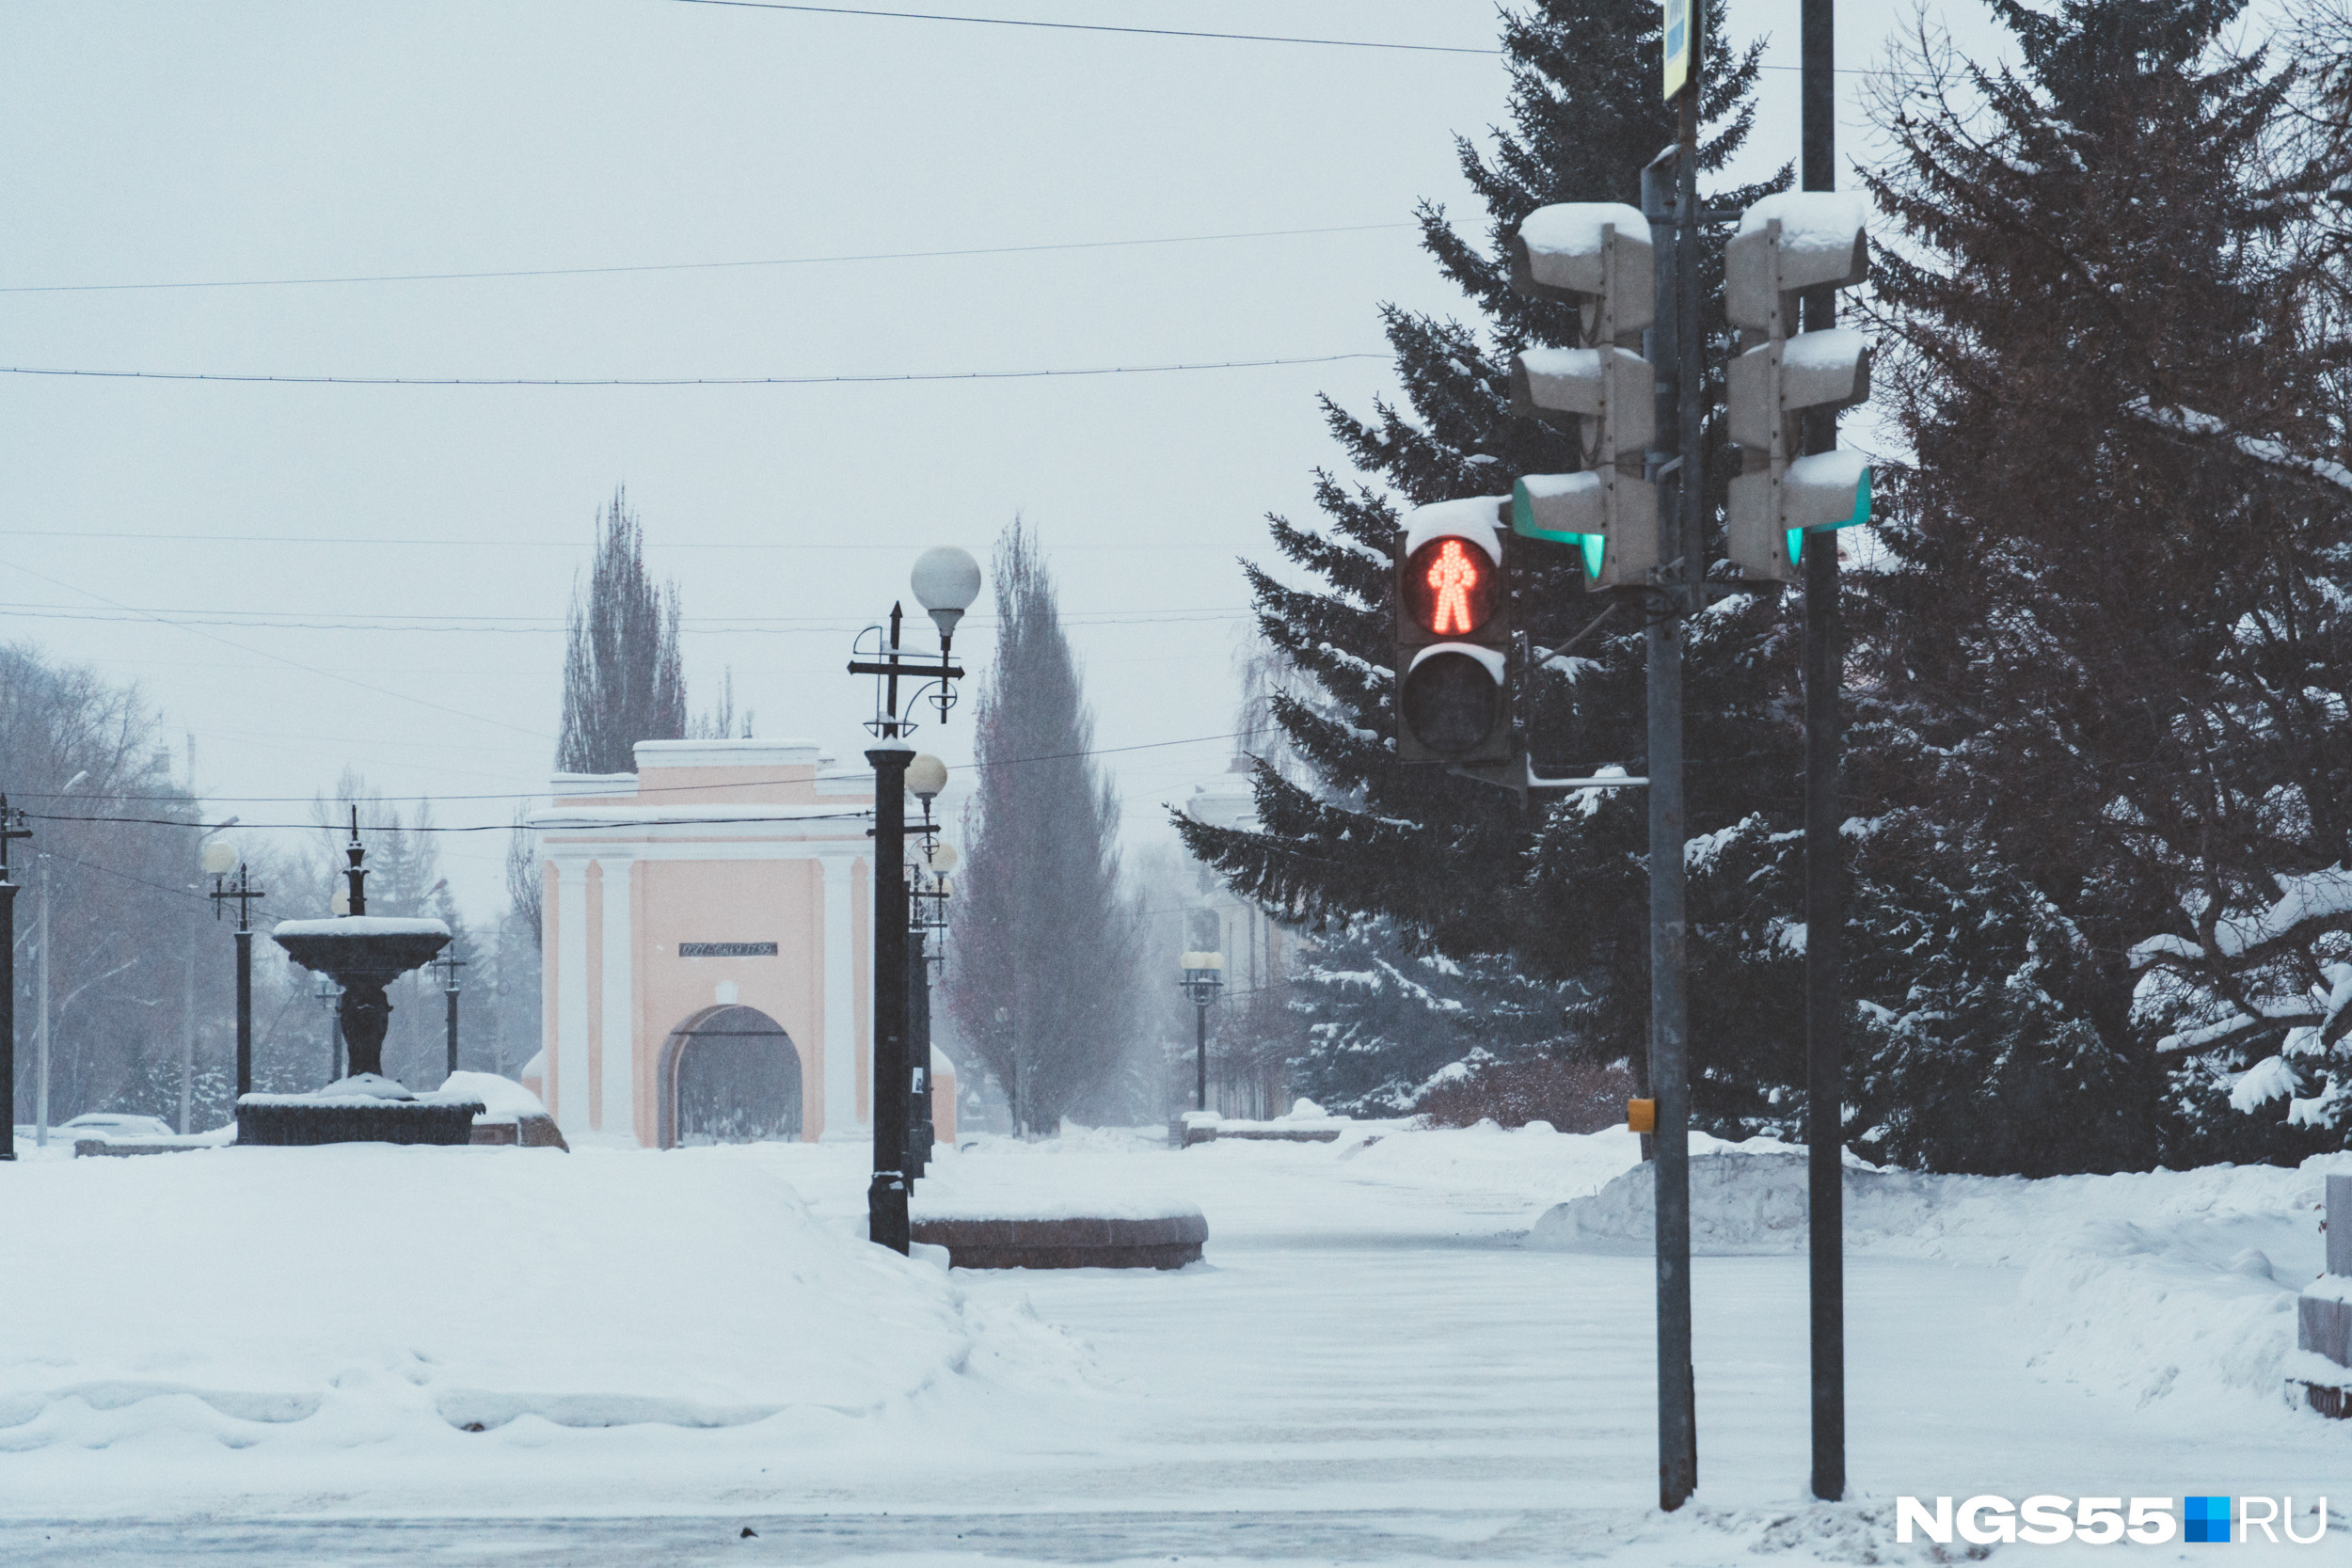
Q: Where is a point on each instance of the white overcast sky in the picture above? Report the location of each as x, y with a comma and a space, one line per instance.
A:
160, 142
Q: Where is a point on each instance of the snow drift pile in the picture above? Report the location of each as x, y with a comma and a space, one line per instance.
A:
365, 1292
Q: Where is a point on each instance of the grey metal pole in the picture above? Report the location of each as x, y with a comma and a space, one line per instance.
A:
10, 829
187, 1036
1824, 891
886, 1195
8, 1010
452, 994
40, 1001
245, 1009
1677, 1429
1199, 1051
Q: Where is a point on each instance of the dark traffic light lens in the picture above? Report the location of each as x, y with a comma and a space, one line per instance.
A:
1450, 703
1452, 587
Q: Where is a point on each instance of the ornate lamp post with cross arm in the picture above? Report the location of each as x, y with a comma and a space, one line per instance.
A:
946, 581
218, 859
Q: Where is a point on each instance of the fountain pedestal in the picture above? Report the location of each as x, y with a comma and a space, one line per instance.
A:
364, 953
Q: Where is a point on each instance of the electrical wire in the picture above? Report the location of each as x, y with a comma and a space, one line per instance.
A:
537, 794
877, 378
574, 544
1094, 27
723, 624
277, 658
1166, 32
691, 266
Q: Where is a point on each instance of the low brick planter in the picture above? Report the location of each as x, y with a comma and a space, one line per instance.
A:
528, 1132
382, 1121
1183, 1135
1167, 1242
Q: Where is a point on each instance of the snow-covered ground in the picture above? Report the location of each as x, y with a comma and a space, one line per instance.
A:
1401, 1347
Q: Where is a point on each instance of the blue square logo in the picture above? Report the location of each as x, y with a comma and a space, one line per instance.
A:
2205, 1519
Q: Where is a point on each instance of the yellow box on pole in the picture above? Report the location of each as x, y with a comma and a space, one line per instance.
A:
1640, 1116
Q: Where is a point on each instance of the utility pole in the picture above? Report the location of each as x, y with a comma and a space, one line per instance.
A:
1824, 892
11, 827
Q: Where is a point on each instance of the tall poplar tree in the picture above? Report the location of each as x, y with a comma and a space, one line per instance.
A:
623, 679
1043, 984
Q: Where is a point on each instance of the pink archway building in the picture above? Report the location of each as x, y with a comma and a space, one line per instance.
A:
707, 943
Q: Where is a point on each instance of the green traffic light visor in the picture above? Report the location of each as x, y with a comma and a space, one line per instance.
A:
1861, 515
1593, 546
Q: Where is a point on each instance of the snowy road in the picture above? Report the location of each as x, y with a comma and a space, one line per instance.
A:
1372, 1366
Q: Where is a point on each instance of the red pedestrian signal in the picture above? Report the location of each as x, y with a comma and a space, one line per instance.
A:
1452, 586
1453, 634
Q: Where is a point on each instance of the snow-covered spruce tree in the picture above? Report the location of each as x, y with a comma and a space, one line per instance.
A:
1556, 896
2107, 660
1041, 982
1381, 1019
623, 679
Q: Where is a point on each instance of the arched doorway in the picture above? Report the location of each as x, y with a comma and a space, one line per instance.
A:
729, 1075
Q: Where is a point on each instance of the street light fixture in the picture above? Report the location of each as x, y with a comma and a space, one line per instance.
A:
946, 581
329, 995
1204, 976
448, 964
218, 859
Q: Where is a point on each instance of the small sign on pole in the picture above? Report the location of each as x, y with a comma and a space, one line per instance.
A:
1681, 45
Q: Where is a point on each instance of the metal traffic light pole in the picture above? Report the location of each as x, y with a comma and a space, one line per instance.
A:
1824, 892
1680, 577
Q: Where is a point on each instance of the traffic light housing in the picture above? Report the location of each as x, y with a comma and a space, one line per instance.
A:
1597, 255
1453, 619
1787, 244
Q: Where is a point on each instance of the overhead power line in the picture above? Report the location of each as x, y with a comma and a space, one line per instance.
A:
1489, 51
673, 381
540, 794
690, 266
793, 544
1095, 28
542, 625
131, 611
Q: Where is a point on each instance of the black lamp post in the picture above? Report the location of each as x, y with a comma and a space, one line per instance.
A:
946, 581
926, 778
1204, 975
244, 892
11, 827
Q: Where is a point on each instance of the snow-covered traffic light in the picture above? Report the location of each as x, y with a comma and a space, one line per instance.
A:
1594, 254
1785, 245
1454, 634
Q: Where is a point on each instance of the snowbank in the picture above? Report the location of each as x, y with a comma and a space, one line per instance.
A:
274, 1300
2150, 1283
502, 1099
362, 925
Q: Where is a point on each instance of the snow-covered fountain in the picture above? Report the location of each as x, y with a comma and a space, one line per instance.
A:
363, 954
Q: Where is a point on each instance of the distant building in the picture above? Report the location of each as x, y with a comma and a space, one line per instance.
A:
708, 932
1248, 1075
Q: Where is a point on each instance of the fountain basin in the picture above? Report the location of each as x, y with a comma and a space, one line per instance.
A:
362, 1109
363, 946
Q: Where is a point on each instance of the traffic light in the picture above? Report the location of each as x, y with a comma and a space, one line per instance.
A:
1594, 254
1454, 634
1785, 245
